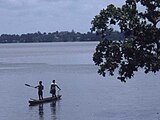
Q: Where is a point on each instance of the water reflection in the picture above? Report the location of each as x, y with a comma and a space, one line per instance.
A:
53, 110
37, 109
41, 113
41, 110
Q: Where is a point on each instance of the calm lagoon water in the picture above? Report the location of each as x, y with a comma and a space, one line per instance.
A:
85, 94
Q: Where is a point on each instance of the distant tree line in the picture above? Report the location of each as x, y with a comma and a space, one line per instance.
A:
63, 36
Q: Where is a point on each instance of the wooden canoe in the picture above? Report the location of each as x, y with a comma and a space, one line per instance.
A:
44, 100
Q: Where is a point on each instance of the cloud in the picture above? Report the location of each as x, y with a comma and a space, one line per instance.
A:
17, 4
21, 16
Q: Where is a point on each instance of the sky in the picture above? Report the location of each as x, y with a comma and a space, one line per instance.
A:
29, 16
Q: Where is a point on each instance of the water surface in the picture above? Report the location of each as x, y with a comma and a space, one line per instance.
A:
85, 94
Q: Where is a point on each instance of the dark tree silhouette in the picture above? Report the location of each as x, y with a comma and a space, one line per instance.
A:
138, 20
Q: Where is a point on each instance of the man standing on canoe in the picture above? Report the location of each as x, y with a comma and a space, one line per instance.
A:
40, 90
53, 88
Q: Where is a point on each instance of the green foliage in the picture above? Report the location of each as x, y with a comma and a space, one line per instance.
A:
140, 47
63, 36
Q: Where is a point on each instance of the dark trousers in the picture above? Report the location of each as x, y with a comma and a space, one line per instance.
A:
40, 94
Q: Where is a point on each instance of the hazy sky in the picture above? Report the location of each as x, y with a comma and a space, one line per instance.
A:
27, 16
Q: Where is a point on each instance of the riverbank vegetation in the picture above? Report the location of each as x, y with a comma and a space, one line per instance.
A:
63, 36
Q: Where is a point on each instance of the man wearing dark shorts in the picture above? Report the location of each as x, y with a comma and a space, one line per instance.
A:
40, 90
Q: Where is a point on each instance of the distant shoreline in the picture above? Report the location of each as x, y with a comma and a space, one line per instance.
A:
39, 37
63, 36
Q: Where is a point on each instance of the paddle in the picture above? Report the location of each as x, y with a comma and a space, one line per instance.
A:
29, 85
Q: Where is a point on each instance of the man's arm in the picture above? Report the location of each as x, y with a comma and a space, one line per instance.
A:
36, 86
58, 87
